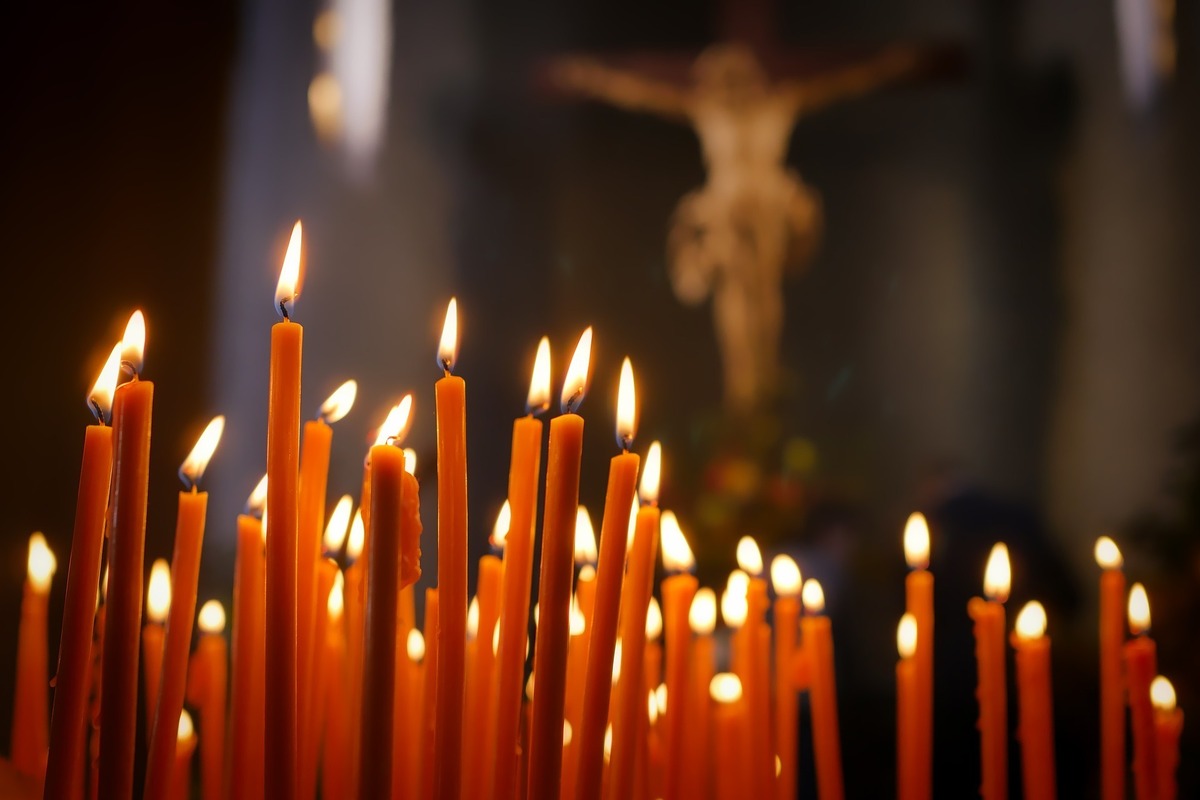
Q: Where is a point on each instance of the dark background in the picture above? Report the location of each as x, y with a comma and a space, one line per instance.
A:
1000, 326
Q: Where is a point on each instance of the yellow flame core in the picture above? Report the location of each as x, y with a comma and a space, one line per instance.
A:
652, 706
738, 581
654, 620
133, 342
676, 555
785, 576
749, 557
192, 469
336, 603
339, 523
358, 536
626, 407
211, 618
410, 461
633, 515
41, 563
1162, 694
186, 728
651, 475
660, 698
566, 733
538, 399
906, 636
997, 576
1031, 621
608, 743
258, 497
585, 537
415, 645
101, 396
734, 607
702, 616
529, 688
575, 384
725, 687
616, 665
587, 573
813, 597
578, 624
473, 618
496, 640
500, 529
916, 541
448, 344
1139, 610
1108, 555
158, 593
395, 426
338, 404
287, 289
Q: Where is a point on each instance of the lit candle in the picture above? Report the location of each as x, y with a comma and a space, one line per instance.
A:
733, 614
185, 576
918, 591
907, 637
524, 469
818, 647
409, 769
428, 717
283, 473
730, 736
678, 589
68, 721
1141, 665
206, 691
1168, 724
582, 604
355, 602
992, 690
491, 574
1112, 679
132, 410
335, 752
1035, 729
756, 681
785, 577
247, 722
31, 723
554, 588
158, 605
327, 574
181, 768
702, 619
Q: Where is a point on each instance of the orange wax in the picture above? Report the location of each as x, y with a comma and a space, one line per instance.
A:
554, 599
577, 656
132, 410
695, 778
610, 573
1141, 665
905, 738
918, 589
787, 615
430, 690
487, 590
247, 723
153, 637
450, 397
523, 472
327, 571
1167, 727
93, 756
68, 721
181, 769
206, 691
992, 696
677, 594
756, 685
731, 747
30, 723
335, 751
355, 599
827, 752
1035, 728
1112, 685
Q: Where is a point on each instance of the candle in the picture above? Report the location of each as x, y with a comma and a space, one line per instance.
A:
408, 772
907, 636
918, 590
327, 575
68, 720
1168, 724
206, 685
583, 602
702, 619
1141, 665
185, 575
1035, 728
678, 589
428, 716
1112, 679
554, 592
247, 722
181, 767
730, 736
756, 678
132, 410
31, 724
610, 573
818, 647
785, 577
93, 757
992, 685
491, 573
335, 750
630, 700
158, 604
355, 601
326, 664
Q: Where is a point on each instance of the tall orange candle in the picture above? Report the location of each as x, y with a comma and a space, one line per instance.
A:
1112, 678
1141, 665
524, 469
1035, 728
335, 751
610, 574
678, 589
428, 711
283, 475
132, 410
158, 606
181, 768
554, 591
31, 706
785, 577
1168, 724
702, 619
491, 573
206, 691
247, 723
992, 691
355, 602
730, 736
818, 646
582, 606
327, 574
406, 776
185, 576
906, 692
68, 722
918, 591
756, 682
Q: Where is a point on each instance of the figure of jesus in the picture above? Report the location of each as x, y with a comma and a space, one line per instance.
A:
754, 219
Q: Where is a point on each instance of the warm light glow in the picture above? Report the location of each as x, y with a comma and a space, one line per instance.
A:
997, 577
587, 573
1108, 555
916, 541
101, 396
566, 733
616, 667
585, 537
652, 706
633, 515
473, 618
337, 597
749, 557
496, 641
395, 426
654, 620
785, 576
192, 469
725, 687
576, 382
500, 529
339, 523
415, 645
702, 616
626, 407
734, 607
357, 537
1162, 694
578, 623
1139, 610
262, 524
537, 614
448, 344
676, 555
608, 743
340, 402
1031, 622
529, 688
133, 342
158, 593
813, 597
325, 106
288, 287
186, 728
906, 636
104, 583
41, 563
211, 618
738, 582
651, 473
538, 399
410, 461
258, 498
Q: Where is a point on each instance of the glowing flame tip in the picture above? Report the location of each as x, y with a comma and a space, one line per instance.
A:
626, 407
725, 687
158, 592
997, 576
100, 398
702, 616
906, 636
288, 287
813, 597
575, 384
916, 541
448, 344
1108, 555
677, 555
1031, 621
338, 404
41, 563
785, 576
651, 475
585, 537
749, 557
1162, 694
211, 618
192, 468
1139, 610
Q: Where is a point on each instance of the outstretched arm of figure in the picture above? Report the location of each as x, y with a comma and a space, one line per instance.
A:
620, 88
813, 94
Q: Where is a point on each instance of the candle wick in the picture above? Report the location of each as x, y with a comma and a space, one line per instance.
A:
97, 411
284, 311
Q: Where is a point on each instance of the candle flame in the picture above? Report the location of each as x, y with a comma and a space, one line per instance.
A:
1031, 622
587, 573
101, 396
813, 597
357, 537
192, 468
566, 733
578, 623
339, 524
395, 426
575, 384
632, 529
338, 404
1108, 555
651, 474
336, 603
652, 706
997, 576
262, 524
104, 583
186, 728
585, 537
1139, 610
1162, 694
906, 636
538, 399
749, 557
41, 563
738, 582
660, 699
415, 645
529, 688
448, 344
785, 576
211, 618
500, 529
616, 665
654, 620
702, 616
676, 555
734, 607
410, 461
725, 687
288, 287
473, 618
258, 497
133, 343
916, 541
608, 743
158, 593
626, 407
496, 641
